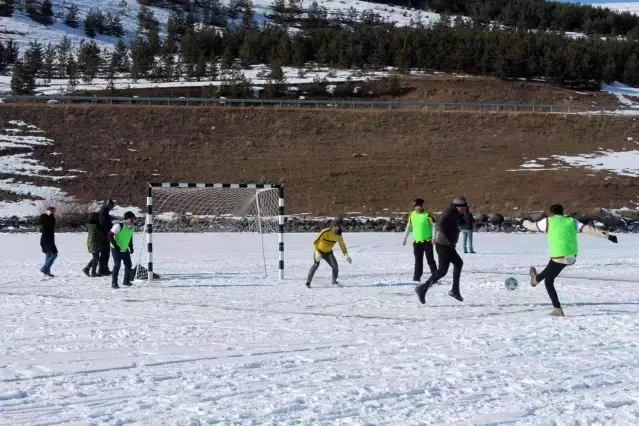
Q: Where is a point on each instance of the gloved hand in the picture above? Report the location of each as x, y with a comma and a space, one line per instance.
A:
318, 256
612, 238
348, 259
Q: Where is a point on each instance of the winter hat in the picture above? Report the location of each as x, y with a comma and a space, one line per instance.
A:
50, 210
460, 201
419, 202
129, 215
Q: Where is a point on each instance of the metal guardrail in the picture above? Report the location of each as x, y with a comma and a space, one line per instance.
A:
299, 103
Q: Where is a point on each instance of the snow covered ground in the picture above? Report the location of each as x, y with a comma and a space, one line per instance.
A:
22, 29
218, 343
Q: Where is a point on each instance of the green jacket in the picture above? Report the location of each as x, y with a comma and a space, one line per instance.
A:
96, 240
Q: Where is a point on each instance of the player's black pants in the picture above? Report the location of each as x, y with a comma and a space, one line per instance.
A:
330, 259
120, 257
104, 260
419, 250
447, 255
549, 274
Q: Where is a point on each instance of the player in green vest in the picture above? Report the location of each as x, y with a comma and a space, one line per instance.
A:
420, 224
121, 241
562, 242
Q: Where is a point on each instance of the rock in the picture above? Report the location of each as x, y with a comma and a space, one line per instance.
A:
496, 219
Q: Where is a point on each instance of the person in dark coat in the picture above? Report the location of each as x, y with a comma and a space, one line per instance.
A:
105, 224
47, 240
467, 226
445, 243
96, 240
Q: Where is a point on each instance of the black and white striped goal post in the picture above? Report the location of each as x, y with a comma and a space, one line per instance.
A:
264, 213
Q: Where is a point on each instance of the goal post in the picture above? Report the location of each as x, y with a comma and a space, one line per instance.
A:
185, 207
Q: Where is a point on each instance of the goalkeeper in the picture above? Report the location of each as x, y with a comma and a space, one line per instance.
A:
323, 249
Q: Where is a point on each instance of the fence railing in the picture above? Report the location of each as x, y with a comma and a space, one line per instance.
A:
304, 103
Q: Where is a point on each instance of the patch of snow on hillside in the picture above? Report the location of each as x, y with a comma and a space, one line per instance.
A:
632, 7
624, 163
23, 30
257, 75
621, 90
23, 169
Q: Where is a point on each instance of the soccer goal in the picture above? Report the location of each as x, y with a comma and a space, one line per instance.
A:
218, 211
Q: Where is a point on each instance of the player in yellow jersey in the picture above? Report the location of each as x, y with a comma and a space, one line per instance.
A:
323, 249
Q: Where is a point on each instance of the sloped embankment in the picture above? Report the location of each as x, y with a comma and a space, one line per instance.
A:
338, 161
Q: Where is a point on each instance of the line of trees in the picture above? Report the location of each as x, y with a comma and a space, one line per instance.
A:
194, 52
532, 14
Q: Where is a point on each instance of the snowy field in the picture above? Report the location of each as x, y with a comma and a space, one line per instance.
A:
216, 343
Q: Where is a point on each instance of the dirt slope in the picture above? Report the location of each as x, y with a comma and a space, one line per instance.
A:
335, 161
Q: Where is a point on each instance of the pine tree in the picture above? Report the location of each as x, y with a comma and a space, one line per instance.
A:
46, 12
247, 13
120, 56
11, 51
94, 23
22, 80
48, 65
276, 80
200, 69
212, 70
631, 71
71, 18
72, 73
89, 60
63, 52
33, 58
7, 7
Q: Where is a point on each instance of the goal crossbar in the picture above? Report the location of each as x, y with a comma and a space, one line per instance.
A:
258, 187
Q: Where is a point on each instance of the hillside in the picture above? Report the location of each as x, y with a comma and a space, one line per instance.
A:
372, 162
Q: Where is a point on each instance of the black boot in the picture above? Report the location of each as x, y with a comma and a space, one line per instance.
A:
456, 295
114, 284
86, 271
421, 291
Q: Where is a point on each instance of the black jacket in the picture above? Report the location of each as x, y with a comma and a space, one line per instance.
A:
105, 216
448, 227
467, 221
47, 240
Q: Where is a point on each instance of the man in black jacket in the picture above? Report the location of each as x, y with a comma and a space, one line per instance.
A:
445, 242
47, 240
105, 224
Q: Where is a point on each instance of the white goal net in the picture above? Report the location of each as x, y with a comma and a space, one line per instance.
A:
219, 212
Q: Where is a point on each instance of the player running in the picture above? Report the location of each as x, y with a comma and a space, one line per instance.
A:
420, 224
445, 243
323, 249
562, 242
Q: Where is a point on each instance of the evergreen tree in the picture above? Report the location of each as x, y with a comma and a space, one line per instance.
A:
93, 23
22, 80
63, 52
71, 18
72, 73
276, 80
11, 52
33, 58
120, 57
631, 71
247, 13
7, 7
46, 12
88, 61
48, 64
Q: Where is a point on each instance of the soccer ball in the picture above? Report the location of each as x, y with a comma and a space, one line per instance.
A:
511, 283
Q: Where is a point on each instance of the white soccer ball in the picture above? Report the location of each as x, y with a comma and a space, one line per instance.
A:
511, 283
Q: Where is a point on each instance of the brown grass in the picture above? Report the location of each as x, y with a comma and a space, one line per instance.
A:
315, 154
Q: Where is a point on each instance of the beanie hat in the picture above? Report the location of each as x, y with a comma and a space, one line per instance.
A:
460, 201
419, 202
129, 215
